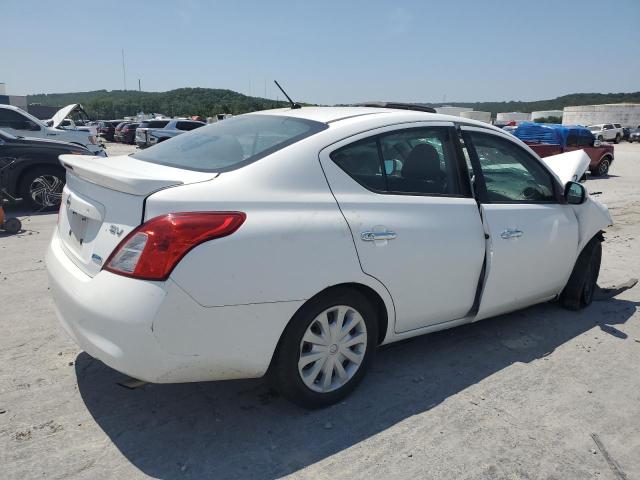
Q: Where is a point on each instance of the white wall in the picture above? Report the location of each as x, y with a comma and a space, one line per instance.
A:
627, 114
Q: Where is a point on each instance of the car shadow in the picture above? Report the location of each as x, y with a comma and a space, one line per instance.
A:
243, 429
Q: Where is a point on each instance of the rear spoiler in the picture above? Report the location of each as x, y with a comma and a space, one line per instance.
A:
128, 175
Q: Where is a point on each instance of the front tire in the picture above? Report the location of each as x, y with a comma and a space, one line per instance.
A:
41, 187
603, 167
617, 139
326, 349
582, 284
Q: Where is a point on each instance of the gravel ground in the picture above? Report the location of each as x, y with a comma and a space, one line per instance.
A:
520, 396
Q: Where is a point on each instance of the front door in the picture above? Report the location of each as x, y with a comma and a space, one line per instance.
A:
415, 225
533, 234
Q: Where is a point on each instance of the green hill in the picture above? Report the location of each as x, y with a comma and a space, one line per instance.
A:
209, 101
181, 102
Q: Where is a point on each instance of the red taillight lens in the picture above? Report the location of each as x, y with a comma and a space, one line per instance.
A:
153, 249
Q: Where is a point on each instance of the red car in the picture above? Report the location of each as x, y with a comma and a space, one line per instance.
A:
548, 139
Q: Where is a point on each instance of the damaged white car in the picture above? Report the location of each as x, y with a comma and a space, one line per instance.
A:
295, 241
22, 124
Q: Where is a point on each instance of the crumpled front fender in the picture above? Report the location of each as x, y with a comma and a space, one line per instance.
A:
593, 217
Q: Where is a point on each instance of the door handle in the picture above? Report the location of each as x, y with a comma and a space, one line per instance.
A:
372, 236
511, 233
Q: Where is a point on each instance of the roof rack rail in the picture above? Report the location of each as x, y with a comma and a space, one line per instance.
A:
397, 105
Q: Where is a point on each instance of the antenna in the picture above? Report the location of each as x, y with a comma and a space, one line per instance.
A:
294, 105
124, 72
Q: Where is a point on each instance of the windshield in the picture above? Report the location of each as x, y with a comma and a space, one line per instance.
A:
231, 143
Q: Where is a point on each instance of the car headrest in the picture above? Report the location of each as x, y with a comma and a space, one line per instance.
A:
423, 163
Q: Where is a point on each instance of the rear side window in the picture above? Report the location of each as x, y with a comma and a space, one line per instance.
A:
157, 123
419, 161
12, 119
231, 144
187, 126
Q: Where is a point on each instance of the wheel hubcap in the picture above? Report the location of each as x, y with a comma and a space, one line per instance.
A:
46, 190
332, 349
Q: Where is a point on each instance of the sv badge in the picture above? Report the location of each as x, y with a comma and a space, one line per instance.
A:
115, 230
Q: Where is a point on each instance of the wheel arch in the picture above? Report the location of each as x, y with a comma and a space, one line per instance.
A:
32, 166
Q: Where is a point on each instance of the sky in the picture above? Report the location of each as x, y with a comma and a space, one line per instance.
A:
328, 51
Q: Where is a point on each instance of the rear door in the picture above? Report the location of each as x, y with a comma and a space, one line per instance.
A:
533, 234
415, 225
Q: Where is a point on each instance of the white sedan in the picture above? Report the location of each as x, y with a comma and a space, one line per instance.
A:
295, 241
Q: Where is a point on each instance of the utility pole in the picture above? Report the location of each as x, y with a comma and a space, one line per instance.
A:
139, 87
124, 72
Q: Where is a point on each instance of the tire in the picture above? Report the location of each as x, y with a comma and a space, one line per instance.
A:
306, 384
12, 225
582, 284
617, 139
41, 187
603, 167
599, 138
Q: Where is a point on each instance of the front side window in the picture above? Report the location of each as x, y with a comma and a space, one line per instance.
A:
510, 173
419, 161
224, 146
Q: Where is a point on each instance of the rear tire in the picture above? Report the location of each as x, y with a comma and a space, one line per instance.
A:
41, 187
318, 330
617, 139
582, 284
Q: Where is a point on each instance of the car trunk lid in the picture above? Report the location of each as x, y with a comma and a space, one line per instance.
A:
103, 202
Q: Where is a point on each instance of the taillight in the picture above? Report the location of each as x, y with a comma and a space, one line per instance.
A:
153, 249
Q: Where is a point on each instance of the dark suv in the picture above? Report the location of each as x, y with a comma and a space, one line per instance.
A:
107, 129
126, 132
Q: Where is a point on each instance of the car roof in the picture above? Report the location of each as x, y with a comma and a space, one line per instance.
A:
330, 115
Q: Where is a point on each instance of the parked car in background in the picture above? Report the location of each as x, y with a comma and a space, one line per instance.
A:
126, 133
297, 241
17, 122
634, 135
172, 129
33, 170
551, 139
606, 132
625, 133
145, 125
117, 130
107, 129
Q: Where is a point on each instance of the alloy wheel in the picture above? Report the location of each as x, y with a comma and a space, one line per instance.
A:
46, 190
603, 167
332, 348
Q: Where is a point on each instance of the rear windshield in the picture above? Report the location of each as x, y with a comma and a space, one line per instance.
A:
230, 143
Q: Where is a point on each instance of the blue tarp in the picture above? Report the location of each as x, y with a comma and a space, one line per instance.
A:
551, 133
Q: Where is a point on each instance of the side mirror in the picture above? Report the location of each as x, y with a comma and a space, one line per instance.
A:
575, 193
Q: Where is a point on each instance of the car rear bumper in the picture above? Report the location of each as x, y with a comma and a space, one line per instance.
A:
154, 331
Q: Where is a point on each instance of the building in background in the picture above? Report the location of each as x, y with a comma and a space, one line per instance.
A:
505, 117
455, 111
546, 114
627, 114
477, 115
19, 101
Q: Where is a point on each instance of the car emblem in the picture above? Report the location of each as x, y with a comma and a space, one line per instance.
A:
97, 259
114, 230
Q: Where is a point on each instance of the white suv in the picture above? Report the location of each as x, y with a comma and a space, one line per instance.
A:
607, 132
22, 124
